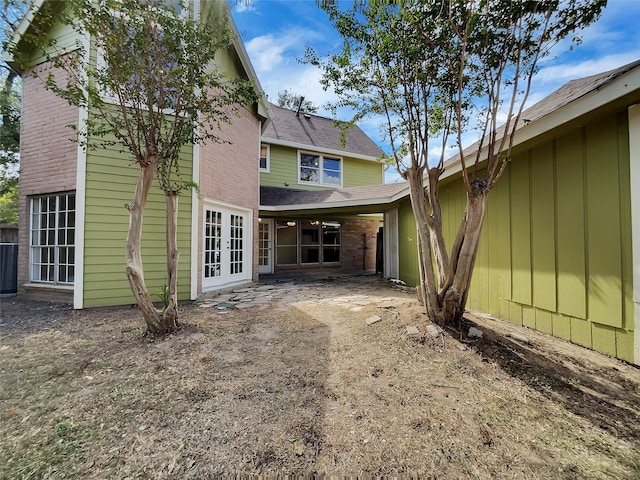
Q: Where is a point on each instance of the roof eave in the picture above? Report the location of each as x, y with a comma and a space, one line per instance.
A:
592, 100
7, 57
331, 151
263, 104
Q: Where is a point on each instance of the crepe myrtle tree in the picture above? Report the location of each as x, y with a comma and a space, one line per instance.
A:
155, 88
433, 69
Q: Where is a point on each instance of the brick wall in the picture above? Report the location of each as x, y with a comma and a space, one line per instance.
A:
358, 241
229, 174
47, 154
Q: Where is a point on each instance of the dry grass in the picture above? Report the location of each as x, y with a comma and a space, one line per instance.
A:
307, 389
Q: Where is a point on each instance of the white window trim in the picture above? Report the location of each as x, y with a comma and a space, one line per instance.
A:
321, 169
268, 167
32, 248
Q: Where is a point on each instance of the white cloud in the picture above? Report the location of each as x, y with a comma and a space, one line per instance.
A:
565, 72
243, 6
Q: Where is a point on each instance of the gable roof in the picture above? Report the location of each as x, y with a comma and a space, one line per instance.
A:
262, 104
571, 101
317, 133
566, 106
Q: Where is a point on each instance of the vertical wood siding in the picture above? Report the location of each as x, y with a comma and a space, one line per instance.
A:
555, 251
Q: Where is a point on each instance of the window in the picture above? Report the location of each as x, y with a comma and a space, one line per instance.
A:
307, 242
319, 169
129, 36
53, 221
286, 243
264, 157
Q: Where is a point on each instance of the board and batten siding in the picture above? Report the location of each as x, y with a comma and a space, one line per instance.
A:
283, 170
111, 177
555, 252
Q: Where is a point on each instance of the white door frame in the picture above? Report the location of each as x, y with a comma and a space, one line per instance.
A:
227, 278
391, 244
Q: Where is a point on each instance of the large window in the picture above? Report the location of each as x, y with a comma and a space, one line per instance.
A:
319, 169
307, 242
53, 221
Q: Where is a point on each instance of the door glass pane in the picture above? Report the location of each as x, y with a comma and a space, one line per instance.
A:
264, 243
213, 239
236, 238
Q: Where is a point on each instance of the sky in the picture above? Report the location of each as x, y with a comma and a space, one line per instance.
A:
277, 32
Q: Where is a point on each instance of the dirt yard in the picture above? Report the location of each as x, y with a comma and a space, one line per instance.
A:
306, 388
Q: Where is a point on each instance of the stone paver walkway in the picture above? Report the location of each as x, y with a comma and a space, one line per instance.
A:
350, 291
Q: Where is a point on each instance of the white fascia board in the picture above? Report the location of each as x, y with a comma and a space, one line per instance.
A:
263, 103
22, 28
330, 151
593, 100
315, 206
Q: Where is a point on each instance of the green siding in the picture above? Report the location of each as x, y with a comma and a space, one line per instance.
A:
407, 246
283, 170
66, 39
555, 252
520, 215
542, 228
561, 326
570, 226
110, 183
603, 227
499, 234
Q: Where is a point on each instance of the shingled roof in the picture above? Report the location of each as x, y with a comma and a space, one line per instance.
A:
364, 195
570, 92
317, 133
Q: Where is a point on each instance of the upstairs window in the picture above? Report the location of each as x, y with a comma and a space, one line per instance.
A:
264, 157
317, 169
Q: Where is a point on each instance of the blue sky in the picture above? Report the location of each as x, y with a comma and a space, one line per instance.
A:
276, 32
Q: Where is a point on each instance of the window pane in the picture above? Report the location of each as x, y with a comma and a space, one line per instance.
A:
308, 174
331, 254
309, 254
307, 160
331, 164
330, 177
330, 234
309, 233
287, 255
287, 233
263, 156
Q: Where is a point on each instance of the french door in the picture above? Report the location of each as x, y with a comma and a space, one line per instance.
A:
226, 246
265, 246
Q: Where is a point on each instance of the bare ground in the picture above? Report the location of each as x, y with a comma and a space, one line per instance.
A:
306, 389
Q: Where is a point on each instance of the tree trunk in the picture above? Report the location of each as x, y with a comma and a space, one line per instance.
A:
170, 315
445, 296
134, 270
453, 299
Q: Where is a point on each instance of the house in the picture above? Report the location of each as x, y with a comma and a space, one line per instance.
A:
72, 220
305, 160
560, 247
73, 223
